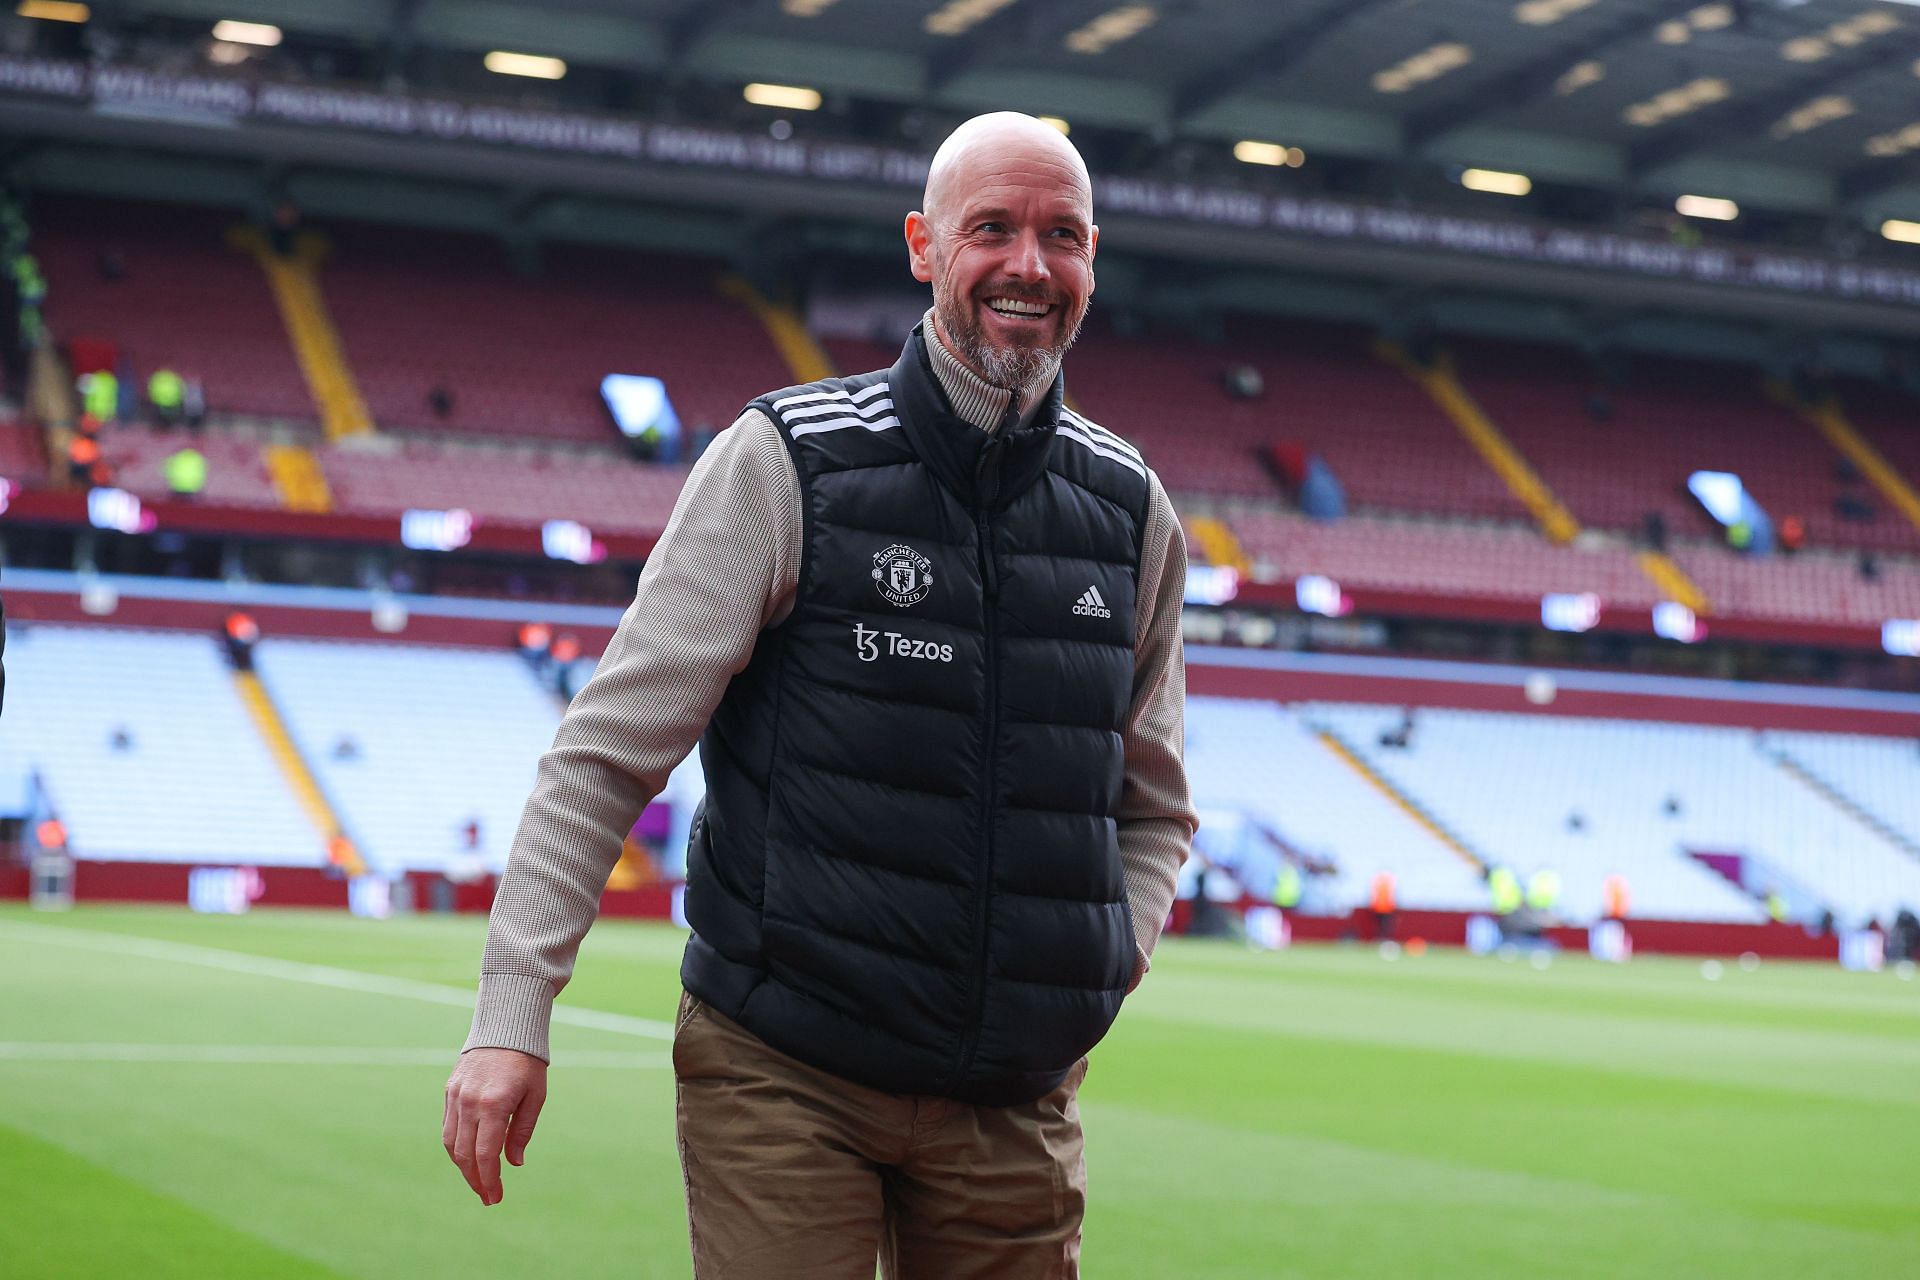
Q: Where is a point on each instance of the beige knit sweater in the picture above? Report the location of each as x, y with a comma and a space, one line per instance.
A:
726, 569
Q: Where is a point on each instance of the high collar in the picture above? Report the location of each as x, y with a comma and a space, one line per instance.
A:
972, 396
983, 468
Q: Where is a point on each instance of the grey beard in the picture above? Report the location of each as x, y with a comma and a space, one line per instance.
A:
1023, 369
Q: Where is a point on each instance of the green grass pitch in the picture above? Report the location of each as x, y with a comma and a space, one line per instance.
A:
210, 1097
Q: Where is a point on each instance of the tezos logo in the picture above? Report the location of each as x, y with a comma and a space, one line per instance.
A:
866, 643
902, 575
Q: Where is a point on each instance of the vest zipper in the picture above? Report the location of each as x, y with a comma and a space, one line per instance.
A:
986, 483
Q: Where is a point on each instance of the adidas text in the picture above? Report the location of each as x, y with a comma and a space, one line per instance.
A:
1090, 605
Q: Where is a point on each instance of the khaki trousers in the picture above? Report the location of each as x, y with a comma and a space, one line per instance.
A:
801, 1175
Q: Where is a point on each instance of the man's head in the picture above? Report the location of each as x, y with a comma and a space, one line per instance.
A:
1007, 224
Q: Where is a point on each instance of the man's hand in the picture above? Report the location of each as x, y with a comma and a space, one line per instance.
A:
494, 1097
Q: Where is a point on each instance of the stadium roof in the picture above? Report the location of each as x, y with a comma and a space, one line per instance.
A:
1805, 105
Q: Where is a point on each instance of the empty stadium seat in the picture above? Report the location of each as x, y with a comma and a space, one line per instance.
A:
524, 356
196, 783
185, 300
1391, 448
442, 736
1259, 761
236, 469
1509, 784
607, 493
1671, 418
1437, 557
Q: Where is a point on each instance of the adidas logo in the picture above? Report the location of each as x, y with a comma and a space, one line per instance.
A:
1090, 605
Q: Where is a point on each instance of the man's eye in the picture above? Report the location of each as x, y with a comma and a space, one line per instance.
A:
1067, 233
989, 227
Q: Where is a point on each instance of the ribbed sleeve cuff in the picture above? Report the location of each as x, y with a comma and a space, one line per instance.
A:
513, 1012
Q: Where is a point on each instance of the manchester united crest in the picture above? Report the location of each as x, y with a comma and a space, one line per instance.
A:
902, 575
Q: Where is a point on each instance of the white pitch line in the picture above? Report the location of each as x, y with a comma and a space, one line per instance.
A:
287, 1055
317, 975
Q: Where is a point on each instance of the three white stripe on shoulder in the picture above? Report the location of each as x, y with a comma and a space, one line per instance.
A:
817, 411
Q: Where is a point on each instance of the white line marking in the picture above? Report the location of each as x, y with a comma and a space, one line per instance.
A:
316, 975
290, 1055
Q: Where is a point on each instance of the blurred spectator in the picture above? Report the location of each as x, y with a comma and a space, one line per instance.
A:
100, 395
113, 267
283, 229
1543, 891
83, 453
186, 472
1381, 903
166, 393
193, 403
1401, 737
566, 650
1504, 887
440, 401
1903, 940
1654, 525
121, 739
1869, 567
535, 642
346, 747
239, 634
1616, 898
1287, 886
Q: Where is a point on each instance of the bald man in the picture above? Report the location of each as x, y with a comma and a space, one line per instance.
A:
924, 624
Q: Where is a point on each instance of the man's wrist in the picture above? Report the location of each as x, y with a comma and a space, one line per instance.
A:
513, 1012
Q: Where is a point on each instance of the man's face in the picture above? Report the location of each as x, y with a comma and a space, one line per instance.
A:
1009, 252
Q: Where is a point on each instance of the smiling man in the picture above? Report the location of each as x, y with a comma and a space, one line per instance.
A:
924, 623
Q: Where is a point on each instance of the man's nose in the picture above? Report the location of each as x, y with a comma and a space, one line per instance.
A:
1025, 260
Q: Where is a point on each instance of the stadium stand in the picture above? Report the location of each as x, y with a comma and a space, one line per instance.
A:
1667, 420
1812, 586
503, 480
1257, 761
1436, 556
194, 782
1880, 775
441, 736
524, 357
183, 299
236, 471
1887, 419
1324, 389
23, 453
438, 737
1596, 803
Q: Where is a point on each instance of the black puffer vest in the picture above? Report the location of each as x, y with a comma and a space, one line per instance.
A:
905, 871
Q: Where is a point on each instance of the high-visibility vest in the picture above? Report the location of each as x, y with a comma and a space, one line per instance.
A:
1613, 892
1505, 888
186, 471
102, 394
1286, 889
1543, 890
166, 389
1383, 892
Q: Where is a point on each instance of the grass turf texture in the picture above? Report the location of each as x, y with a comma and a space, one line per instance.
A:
1320, 1113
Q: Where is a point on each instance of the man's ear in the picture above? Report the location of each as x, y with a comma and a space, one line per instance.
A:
920, 246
